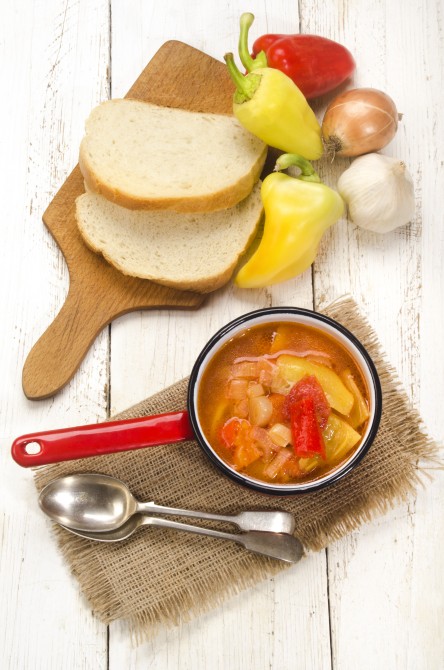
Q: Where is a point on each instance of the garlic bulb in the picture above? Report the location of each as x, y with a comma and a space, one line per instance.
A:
379, 192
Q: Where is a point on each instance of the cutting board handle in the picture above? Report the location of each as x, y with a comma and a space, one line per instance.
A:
55, 357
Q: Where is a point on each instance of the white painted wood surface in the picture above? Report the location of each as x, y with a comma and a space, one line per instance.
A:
373, 600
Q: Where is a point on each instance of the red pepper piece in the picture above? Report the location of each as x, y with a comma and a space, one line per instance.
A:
310, 387
307, 436
235, 432
316, 64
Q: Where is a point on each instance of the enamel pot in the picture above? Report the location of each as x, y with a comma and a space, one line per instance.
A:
66, 444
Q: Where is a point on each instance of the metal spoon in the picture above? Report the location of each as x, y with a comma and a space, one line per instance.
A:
98, 503
276, 545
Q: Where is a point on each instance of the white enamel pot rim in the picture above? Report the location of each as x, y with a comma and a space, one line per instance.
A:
309, 318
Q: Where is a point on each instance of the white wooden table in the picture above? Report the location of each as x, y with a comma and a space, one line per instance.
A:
375, 599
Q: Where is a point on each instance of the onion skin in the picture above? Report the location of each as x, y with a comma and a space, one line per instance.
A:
359, 121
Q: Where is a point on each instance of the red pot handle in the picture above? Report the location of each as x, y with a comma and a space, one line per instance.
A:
66, 444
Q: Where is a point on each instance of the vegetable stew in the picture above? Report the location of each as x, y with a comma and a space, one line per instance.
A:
283, 403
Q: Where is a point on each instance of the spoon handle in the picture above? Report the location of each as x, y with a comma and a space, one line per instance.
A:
263, 520
152, 508
275, 545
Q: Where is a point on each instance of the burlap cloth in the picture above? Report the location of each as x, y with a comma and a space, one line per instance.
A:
160, 577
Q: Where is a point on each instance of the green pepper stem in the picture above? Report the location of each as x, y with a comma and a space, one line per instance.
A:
247, 61
245, 86
307, 171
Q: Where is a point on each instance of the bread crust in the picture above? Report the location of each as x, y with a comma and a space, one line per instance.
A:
223, 199
207, 284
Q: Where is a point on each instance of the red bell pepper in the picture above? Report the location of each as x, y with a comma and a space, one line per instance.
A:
308, 411
309, 386
307, 436
316, 64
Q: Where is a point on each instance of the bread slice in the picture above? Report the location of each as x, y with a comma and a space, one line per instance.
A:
196, 252
143, 156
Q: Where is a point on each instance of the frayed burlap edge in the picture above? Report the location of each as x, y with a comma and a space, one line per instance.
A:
420, 450
147, 623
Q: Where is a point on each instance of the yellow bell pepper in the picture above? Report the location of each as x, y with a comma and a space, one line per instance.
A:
298, 211
339, 438
293, 368
360, 412
270, 105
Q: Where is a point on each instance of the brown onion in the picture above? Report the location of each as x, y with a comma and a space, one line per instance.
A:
359, 121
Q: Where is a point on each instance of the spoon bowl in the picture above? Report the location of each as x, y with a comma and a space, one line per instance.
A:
119, 534
98, 503
88, 502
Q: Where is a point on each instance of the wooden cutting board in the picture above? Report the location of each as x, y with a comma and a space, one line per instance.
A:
177, 76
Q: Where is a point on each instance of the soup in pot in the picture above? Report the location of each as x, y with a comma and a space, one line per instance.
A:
283, 403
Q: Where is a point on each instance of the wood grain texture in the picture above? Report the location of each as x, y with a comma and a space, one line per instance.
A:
378, 570
98, 293
54, 59
373, 600
282, 623
177, 76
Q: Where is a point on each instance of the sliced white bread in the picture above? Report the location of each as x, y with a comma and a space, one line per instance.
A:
196, 252
142, 156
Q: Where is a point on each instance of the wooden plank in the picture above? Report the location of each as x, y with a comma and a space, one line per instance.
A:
385, 581
382, 577
54, 70
44, 621
282, 619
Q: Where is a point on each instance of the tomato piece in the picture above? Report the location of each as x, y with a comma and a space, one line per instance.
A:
307, 436
238, 436
309, 387
246, 453
278, 401
235, 432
